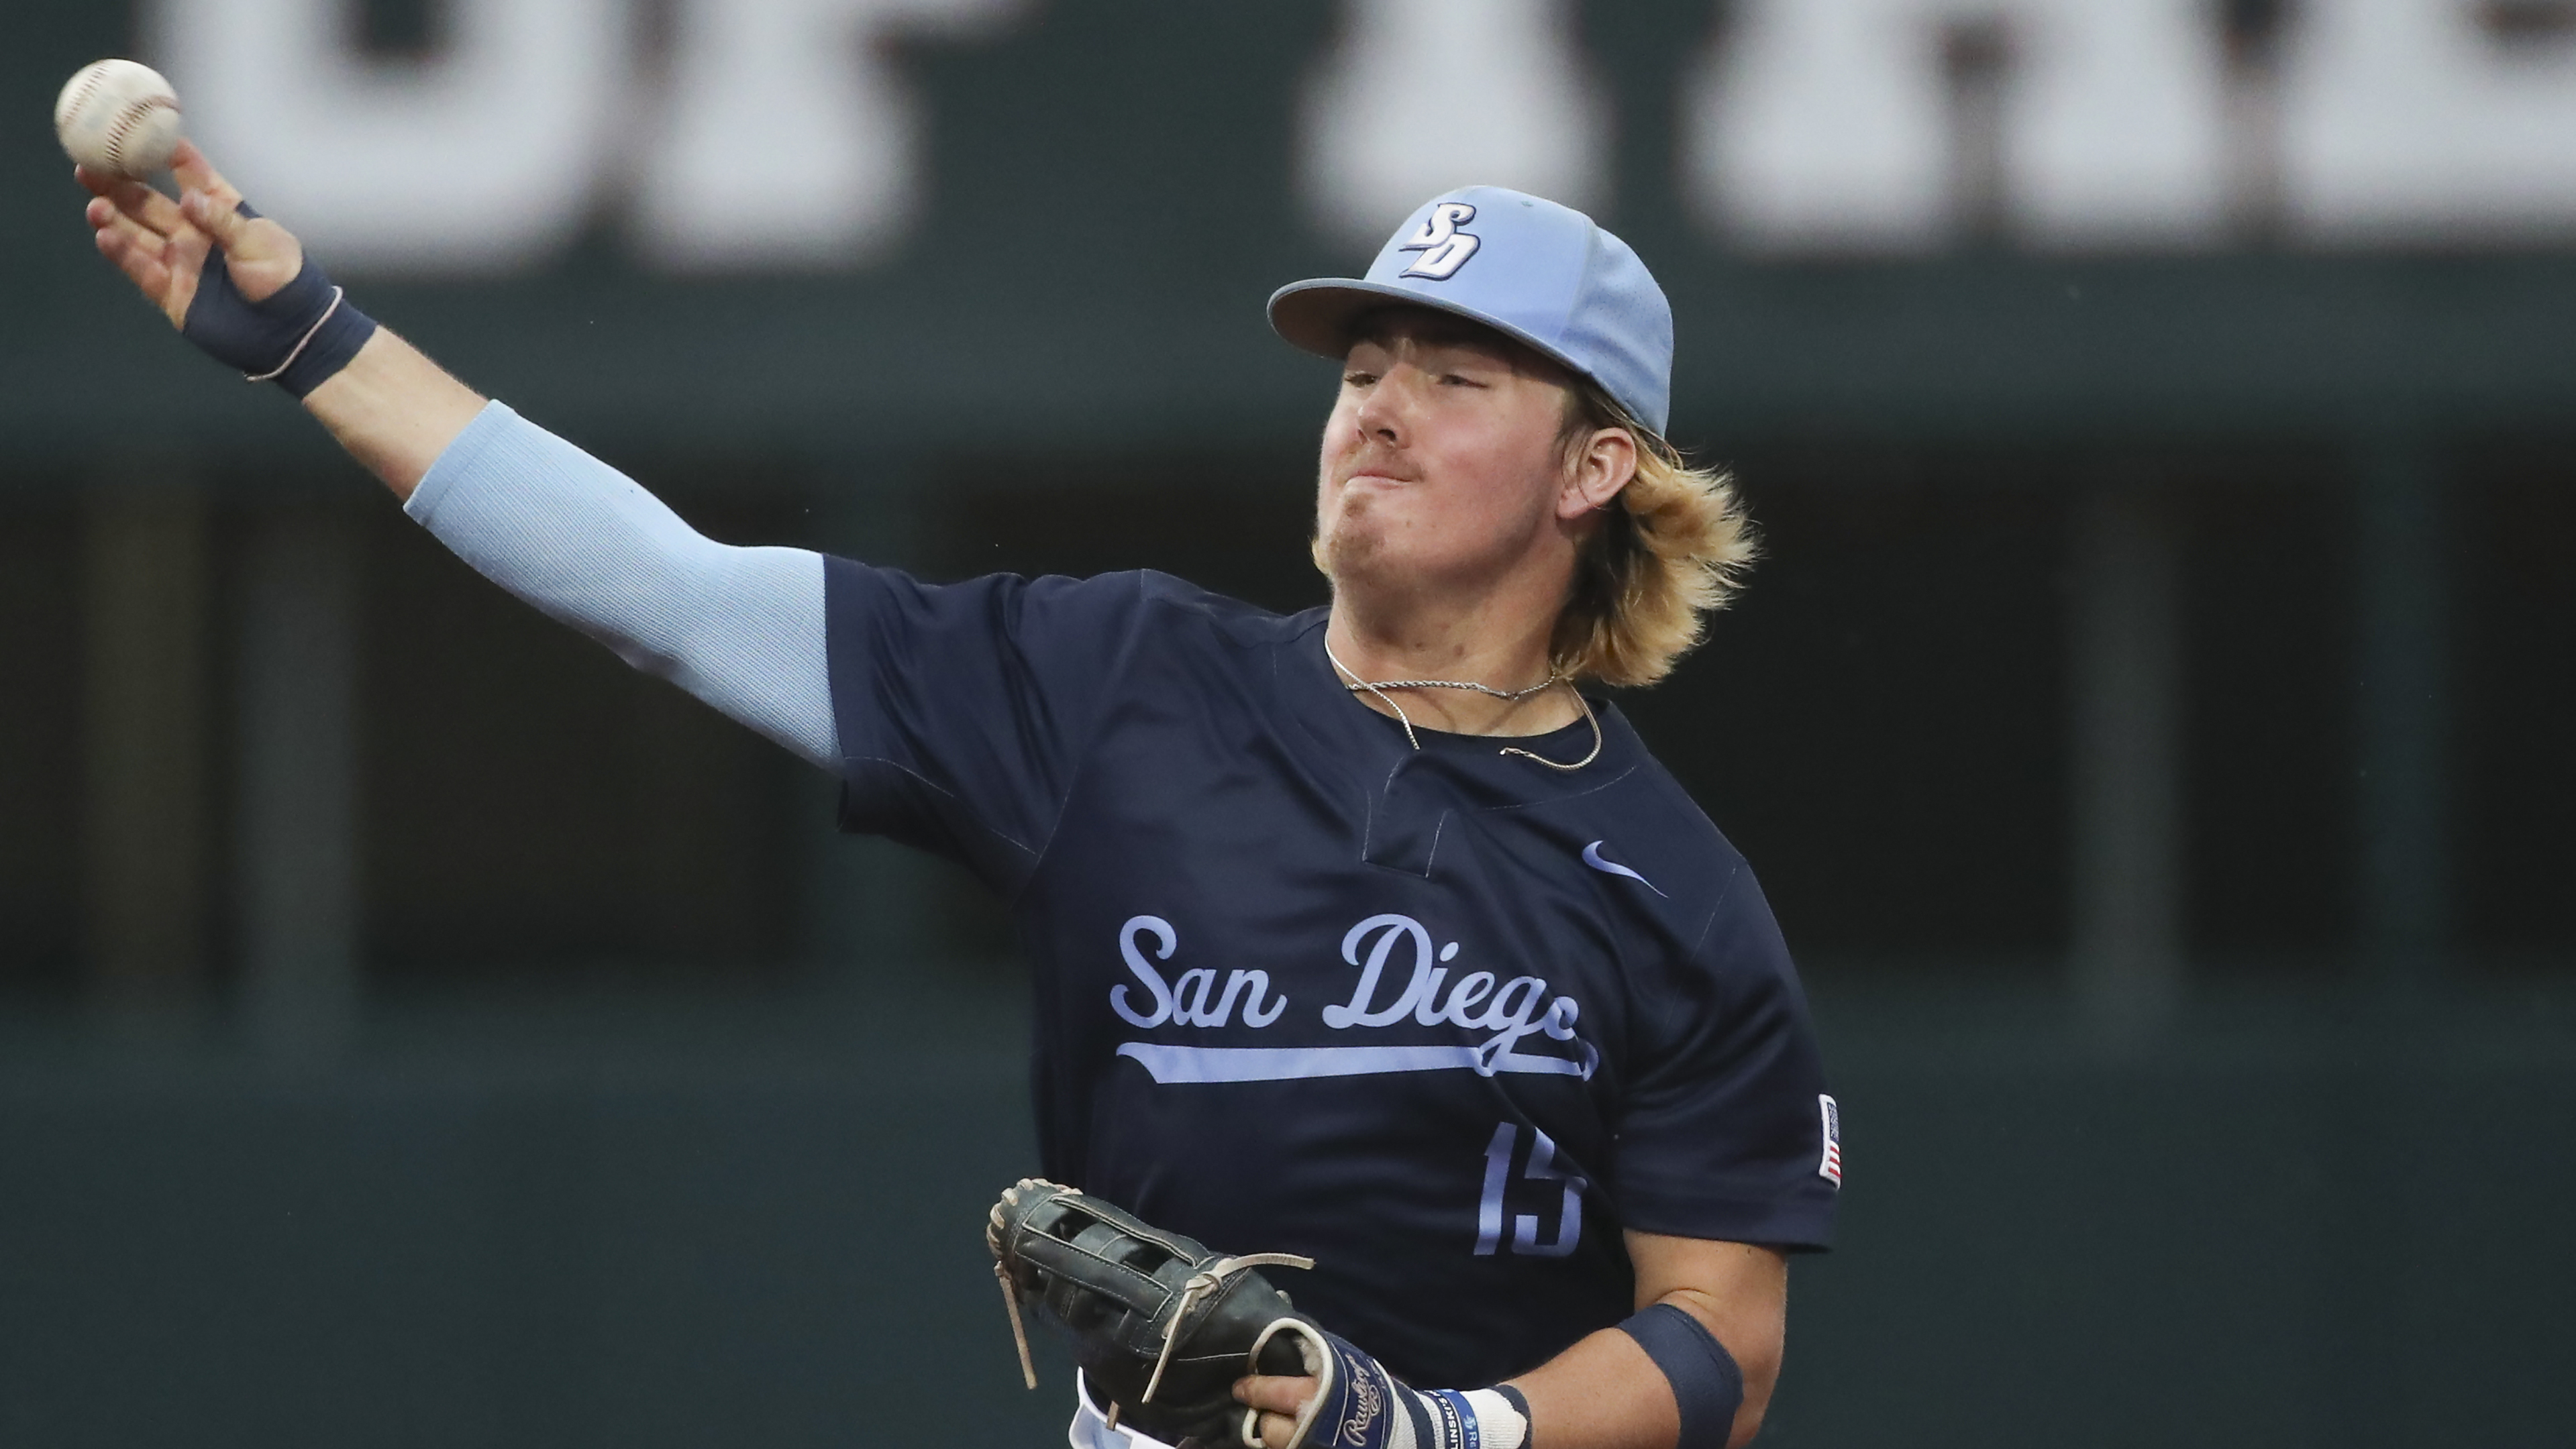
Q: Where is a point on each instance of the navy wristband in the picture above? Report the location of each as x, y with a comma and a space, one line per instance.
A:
1706, 1382
1520, 1406
298, 338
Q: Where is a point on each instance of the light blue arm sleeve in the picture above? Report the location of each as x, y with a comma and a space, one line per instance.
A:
741, 628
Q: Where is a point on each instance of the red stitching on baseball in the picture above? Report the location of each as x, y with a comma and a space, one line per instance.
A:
89, 87
132, 116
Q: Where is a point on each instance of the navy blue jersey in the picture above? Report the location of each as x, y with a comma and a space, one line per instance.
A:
1445, 1020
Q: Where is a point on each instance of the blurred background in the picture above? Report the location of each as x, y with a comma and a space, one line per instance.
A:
2152, 722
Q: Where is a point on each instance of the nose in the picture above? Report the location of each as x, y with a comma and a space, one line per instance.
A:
1381, 415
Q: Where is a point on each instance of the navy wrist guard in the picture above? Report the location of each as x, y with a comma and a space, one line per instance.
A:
298, 338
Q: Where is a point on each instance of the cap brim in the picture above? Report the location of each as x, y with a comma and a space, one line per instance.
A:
1317, 316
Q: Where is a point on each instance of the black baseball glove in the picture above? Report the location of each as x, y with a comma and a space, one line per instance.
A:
1160, 1325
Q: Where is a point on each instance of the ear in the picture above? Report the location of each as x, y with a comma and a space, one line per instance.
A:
1607, 460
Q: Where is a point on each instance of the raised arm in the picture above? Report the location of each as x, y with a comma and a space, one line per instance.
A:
740, 628
392, 408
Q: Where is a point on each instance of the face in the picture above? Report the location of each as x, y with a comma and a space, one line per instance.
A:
1442, 462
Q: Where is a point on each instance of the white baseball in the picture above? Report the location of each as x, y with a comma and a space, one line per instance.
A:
118, 117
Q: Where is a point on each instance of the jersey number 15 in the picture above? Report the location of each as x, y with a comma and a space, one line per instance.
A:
1541, 1167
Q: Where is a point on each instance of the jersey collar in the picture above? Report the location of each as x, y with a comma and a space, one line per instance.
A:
1415, 797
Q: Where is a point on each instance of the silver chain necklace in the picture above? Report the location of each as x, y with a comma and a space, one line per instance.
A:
1380, 687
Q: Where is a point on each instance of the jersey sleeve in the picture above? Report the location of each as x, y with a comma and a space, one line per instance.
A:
962, 710
1726, 1118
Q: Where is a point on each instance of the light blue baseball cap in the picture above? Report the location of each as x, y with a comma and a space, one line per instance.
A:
1522, 265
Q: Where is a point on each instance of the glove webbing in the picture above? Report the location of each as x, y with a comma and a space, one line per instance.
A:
1200, 1284
1208, 1281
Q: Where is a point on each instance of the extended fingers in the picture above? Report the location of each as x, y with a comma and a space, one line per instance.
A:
154, 211
137, 253
195, 173
132, 197
118, 231
216, 213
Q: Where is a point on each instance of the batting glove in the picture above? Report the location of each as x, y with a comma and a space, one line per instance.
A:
1359, 1405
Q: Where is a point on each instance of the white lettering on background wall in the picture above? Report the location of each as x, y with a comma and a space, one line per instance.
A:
1422, 96
785, 138
788, 137
779, 134
2411, 120
481, 158
1836, 124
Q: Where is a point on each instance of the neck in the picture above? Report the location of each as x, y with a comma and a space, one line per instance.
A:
1506, 649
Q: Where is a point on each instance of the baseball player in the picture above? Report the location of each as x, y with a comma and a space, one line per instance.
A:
1363, 934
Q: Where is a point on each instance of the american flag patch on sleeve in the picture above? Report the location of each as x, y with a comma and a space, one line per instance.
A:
1831, 1168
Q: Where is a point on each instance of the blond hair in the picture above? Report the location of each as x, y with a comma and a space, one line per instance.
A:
1672, 548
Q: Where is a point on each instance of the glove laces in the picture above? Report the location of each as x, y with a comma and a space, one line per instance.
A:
1019, 1335
1202, 1283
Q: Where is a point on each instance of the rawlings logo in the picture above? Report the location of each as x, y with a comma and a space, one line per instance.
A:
1366, 1405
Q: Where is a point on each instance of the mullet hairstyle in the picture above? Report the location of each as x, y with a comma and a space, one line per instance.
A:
1673, 547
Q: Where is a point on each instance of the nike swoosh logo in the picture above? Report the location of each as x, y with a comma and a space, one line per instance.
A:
1592, 858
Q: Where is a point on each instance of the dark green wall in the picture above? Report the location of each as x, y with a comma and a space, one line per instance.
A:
1109, 201
717, 1222
629, 1218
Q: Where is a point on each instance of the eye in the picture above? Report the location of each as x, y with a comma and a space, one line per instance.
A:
1460, 379
1357, 378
